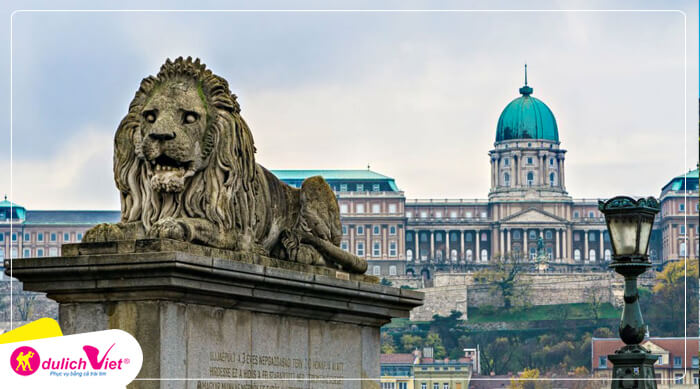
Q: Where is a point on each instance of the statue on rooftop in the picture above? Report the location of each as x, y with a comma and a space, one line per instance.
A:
184, 164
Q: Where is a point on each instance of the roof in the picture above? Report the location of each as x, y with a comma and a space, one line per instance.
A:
329, 174
71, 217
395, 359
527, 118
674, 346
6, 203
678, 183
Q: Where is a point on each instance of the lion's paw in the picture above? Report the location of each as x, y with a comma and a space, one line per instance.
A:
104, 232
168, 228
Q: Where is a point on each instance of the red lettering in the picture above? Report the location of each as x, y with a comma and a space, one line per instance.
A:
112, 365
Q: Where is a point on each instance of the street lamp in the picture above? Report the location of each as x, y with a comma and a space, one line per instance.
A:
629, 224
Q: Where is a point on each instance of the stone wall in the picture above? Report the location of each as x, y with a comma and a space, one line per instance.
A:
441, 300
457, 291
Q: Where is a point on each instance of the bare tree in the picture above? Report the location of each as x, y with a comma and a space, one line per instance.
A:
24, 304
505, 275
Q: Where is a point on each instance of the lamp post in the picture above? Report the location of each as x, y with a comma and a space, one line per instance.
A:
629, 223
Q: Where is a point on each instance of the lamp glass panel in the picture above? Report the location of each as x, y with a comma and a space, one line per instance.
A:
644, 232
623, 232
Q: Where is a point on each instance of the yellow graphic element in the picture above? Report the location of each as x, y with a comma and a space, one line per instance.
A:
38, 329
24, 361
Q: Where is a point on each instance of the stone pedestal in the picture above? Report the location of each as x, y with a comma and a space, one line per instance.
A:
633, 370
211, 318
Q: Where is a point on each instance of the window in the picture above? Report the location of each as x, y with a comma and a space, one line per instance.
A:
454, 237
27, 237
392, 208
360, 230
468, 236
469, 255
387, 385
548, 234
53, 252
438, 237
26, 253
423, 214
376, 270
551, 179
576, 215
453, 255
392, 249
681, 207
344, 245
360, 187
483, 215
607, 254
375, 187
403, 385
484, 255
13, 253
549, 252
516, 234
53, 237
409, 255
409, 237
392, 230
532, 235
591, 255
469, 215
606, 236
409, 214
453, 214
530, 178
551, 162
591, 236
343, 187
424, 237
392, 270
696, 378
376, 208
438, 215
79, 236
506, 161
682, 229
577, 236
682, 249
14, 236
678, 378
39, 252
2, 253
376, 230
345, 229
577, 254
423, 385
603, 362
376, 249
484, 237
66, 237
343, 208
506, 179
436, 385
445, 385
677, 361
533, 253
360, 249
695, 363
359, 208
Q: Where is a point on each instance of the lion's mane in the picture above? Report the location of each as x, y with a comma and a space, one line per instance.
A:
221, 191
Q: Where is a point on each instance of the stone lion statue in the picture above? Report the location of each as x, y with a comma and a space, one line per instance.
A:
184, 163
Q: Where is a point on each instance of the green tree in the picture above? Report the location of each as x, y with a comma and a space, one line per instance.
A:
387, 343
433, 340
411, 342
664, 311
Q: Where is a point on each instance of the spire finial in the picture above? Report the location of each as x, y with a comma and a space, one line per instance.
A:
367, 166
525, 73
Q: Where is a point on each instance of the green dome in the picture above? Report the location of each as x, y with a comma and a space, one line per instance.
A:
527, 118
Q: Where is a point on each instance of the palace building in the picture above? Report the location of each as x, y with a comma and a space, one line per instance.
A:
527, 206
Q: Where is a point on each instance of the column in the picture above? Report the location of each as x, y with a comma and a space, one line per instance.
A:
516, 180
461, 245
556, 245
494, 243
447, 245
526, 251
569, 244
508, 248
416, 253
493, 173
431, 255
500, 242
385, 242
585, 244
477, 254
602, 248
351, 248
561, 172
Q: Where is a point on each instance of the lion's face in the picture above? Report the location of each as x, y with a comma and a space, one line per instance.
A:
173, 125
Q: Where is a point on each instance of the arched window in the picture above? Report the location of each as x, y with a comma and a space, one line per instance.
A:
577, 254
548, 234
438, 237
424, 237
516, 234
484, 255
533, 253
453, 255
469, 254
392, 270
438, 254
484, 237
376, 270
468, 237
607, 254
682, 249
530, 178
506, 179
551, 179
409, 255
591, 255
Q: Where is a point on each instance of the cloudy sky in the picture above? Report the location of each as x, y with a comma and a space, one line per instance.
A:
416, 95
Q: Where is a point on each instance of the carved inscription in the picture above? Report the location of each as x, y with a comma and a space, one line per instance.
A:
232, 370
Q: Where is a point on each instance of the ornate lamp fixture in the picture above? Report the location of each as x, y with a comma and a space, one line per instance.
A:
629, 224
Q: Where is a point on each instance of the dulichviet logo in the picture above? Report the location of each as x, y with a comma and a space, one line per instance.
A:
109, 358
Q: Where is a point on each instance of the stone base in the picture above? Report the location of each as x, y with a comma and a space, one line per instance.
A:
633, 370
212, 322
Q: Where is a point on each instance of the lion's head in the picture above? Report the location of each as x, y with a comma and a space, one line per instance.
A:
183, 149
